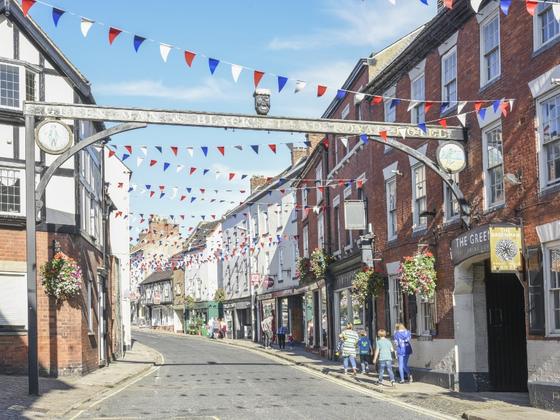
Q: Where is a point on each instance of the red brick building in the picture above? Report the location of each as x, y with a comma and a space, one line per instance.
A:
482, 331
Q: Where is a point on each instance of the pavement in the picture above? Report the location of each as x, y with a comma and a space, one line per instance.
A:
471, 406
59, 396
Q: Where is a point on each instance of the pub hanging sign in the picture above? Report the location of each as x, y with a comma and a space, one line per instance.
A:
505, 249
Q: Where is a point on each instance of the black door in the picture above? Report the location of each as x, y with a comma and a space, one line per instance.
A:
507, 344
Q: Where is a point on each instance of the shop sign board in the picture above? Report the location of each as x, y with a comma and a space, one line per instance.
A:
474, 242
505, 249
355, 215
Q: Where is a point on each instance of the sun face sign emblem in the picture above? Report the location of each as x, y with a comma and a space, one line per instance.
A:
506, 249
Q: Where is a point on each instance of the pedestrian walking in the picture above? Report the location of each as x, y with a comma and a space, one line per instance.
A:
350, 338
365, 351
282, 331
266, 326
384, 353
401, 338
222, 328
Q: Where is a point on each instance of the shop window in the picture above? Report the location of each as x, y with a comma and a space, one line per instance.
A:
324, 319
13, 291
549, 130
309, 312
535, 276
490, 48
427, 315
449, 77
552, 289
395, 300
343, 310
493, 162
412, 314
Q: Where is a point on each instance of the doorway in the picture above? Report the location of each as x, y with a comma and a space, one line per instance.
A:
507, 342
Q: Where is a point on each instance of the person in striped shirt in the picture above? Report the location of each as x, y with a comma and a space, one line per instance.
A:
350, 338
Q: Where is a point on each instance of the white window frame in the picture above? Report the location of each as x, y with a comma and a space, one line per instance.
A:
551, 331
422, 305
484, 55
20, 278
318, 183
487, 187
449, 201
419, 108
543, 170
18, 173
538, 41
418, 223
21, 87
345, 112
452, 101
391, 235
305, 240
321, 230
304, 200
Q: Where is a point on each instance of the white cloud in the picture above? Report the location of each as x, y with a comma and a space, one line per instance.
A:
210, 89
361, 24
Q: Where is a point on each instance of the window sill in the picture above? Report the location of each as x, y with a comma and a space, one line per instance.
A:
418, 230
494, 208
490, 83
550, 189
449, 222
545, 47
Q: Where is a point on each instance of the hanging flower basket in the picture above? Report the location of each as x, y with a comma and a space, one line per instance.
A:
220, 295
366, 283
303, 271
319, 262
418, 275
62, 277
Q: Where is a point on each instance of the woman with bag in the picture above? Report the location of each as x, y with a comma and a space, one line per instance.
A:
402, 339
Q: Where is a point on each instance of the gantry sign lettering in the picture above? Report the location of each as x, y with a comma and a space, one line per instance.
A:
246, 122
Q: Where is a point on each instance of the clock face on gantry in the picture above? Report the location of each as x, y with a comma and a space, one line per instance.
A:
53, 137
451, 157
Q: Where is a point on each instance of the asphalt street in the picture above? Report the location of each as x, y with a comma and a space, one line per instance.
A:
204, 379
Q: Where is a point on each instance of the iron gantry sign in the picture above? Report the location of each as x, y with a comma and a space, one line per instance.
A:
133, 118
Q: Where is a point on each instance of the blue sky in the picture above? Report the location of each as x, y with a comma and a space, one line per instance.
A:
318, 41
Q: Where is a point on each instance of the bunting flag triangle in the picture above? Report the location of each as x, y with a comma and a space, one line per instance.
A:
125, 156
364, 138
394, 102
239, 147
496, 105
531, 6
475, 4
182, 198
359, 97
164, 50
159, 149
174, 150
153, 162
205, 171
344, 141
321, 90
282, 82
462, 119
152, 193
26, 5
139, 161
448, 4
212, 64
422, 126
231, 176
112, 153
255, 148
144, 150
383, 135
402, 132
504, 5
340, 94
443, 122
138, 40
56, 15
376, 100
85, 26
427, 106
189, 57
482, 113
221, 149
128, 149
113, 34
477, 106
179, 168
161, 195
411, 105
204, 150
257, 77
235, 72
460, 106
165, 166
272, 147
192, 170
190, 151
192, 199
300, 85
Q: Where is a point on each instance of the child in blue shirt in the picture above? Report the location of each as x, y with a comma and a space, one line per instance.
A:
364, 350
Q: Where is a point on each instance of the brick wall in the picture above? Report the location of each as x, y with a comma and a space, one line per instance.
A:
65, 345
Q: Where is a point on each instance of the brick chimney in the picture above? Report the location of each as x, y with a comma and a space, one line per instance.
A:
314, 139
257, 182
298, 153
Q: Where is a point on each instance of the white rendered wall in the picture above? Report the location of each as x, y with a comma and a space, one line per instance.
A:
543, 361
